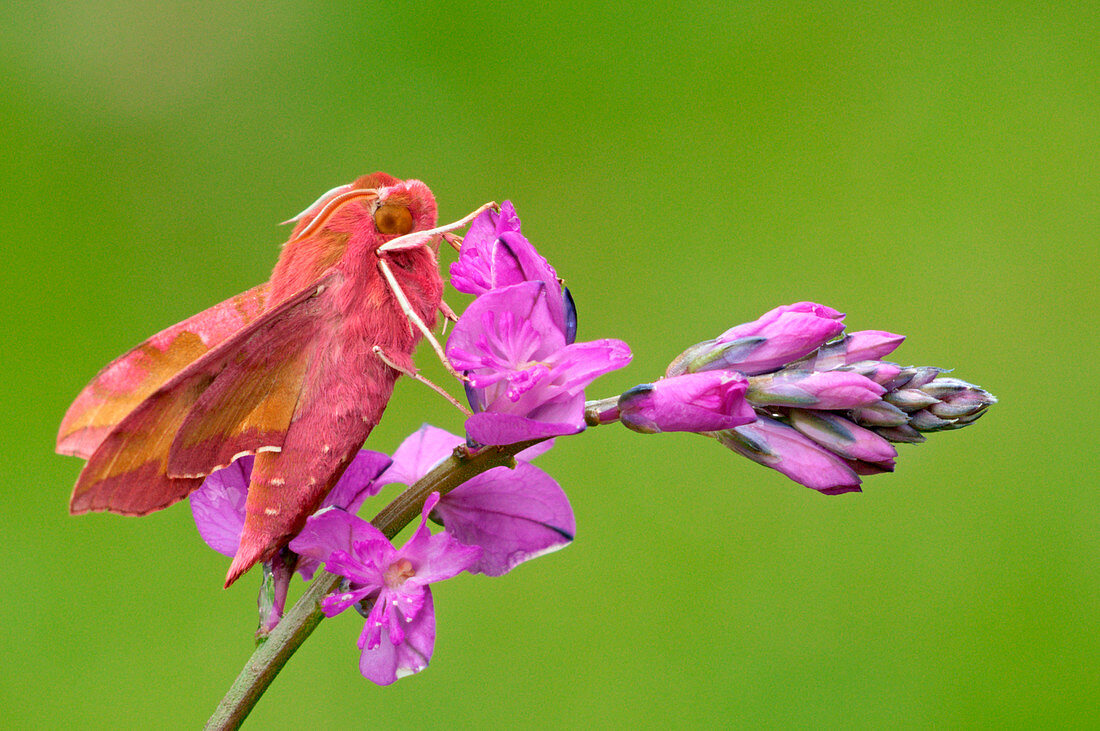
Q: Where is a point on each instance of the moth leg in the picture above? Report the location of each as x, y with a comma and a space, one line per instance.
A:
454, 241
421, 238
447, 311
448, 316
378, 351
414, 319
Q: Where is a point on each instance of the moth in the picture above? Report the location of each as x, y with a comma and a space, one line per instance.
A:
297, 370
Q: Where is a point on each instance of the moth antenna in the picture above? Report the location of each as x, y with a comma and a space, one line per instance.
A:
314, 204
329, 209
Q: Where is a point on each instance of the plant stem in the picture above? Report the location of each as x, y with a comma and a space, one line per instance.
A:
305, 615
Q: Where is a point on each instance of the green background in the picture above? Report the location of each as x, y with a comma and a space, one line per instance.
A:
928, 170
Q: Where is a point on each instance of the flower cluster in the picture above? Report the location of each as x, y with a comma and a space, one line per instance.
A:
789, 390
820, 410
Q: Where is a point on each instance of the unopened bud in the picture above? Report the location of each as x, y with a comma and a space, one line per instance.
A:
814, 390
908, 399
925, 420
879, 414
904, 433
861, 345
781, 447
841, 436
696, 402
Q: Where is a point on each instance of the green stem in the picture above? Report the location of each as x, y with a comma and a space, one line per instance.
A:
305, 615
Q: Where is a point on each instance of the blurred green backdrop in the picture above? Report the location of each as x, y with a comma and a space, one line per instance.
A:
929, 170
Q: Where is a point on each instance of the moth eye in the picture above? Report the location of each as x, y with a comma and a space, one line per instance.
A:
393, 219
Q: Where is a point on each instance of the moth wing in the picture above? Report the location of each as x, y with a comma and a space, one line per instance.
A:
131, 378
250, 405
128, 472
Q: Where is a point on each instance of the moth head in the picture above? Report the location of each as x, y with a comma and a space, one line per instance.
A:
396, 207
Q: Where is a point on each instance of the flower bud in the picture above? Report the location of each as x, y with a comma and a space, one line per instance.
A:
842, 437
827, 409
695, 402
767, 344
878, 371
903, 433
776, 445
879, 414
925, 420
862, 345
814, 390
965, 398
913, 377
910, 399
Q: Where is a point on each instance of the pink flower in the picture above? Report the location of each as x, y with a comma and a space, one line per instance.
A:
526, 381
399, 634
218, 505
218, 509
496, 255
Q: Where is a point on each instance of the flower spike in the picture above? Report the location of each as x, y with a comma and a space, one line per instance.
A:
826, 408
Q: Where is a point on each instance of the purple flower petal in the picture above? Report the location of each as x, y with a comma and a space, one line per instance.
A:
333, 604
218, 506
513, 515
334, 530
444, 557
387, 662
572, 368
491, 428
477, 270
395, 606
505, 330
419, 453
416, 548
358, 481
495, 254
